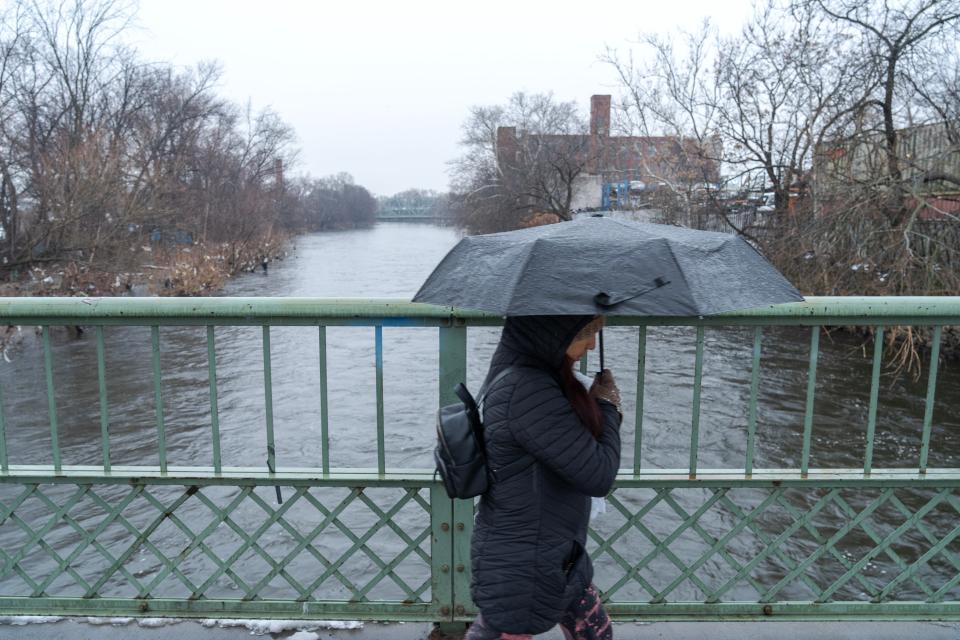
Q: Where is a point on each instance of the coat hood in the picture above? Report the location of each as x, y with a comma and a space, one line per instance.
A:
541, 338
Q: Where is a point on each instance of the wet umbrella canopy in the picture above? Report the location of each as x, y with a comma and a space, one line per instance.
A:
603, 266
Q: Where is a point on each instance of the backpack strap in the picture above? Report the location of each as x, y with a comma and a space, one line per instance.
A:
516, 466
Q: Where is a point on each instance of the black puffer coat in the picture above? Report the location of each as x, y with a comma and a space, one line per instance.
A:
528, 542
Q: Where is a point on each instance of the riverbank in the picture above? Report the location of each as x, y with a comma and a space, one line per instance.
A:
154, 270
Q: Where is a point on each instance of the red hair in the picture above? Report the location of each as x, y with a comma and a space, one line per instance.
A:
584, 405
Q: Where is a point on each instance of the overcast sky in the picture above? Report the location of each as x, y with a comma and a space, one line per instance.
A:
380, 89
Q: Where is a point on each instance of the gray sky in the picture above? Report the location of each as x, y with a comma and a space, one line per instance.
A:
380, 89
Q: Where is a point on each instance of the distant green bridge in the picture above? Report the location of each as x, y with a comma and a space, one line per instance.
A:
411, 214
72, 539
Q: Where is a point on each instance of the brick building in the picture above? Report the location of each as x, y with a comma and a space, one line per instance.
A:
611, 164
928, 157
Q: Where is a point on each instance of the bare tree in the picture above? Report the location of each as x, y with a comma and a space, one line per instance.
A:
11, 60
520, 158
901, 45
846, 110
100, 151
754, 102
335, 202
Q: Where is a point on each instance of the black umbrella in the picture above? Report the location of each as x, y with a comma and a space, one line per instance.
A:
603, 266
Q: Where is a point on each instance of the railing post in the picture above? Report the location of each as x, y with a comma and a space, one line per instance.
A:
453, 361
462, 533
453, 370
441, 553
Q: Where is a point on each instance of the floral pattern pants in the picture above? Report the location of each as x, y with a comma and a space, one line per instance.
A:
586, 619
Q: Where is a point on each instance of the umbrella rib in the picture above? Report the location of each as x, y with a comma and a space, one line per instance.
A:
683, 276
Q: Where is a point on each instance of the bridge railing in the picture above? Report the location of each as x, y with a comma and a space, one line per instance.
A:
412, 213
387, 544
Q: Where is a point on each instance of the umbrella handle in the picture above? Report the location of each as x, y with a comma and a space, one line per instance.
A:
601, 351
604, 299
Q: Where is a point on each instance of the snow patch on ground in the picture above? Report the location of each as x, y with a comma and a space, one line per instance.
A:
156, 622
116, 622
22, 620
339, 624
263, 627
304, 628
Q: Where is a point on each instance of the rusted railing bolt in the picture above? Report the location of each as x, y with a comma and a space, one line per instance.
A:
445, 611
459, 568
444, 527
459, 526
460, 610
445, 568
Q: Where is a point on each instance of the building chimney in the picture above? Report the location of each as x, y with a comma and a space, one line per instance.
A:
278, 174
600, 115
506, 146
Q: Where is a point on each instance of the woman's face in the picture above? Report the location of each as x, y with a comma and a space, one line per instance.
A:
584, 341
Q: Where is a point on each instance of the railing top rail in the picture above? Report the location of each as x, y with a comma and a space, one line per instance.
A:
292, 310
218, 310
350, 477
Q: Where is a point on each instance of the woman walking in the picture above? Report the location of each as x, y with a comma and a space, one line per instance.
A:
530, 567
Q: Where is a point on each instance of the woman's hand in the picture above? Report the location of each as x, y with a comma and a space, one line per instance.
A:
604, 388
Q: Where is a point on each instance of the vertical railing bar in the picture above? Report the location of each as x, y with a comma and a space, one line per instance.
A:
268, 405
102, 386
4, 463
324, 413
695, 426
158, 398
874, 397
583, 364
754, 391
214, 404
381, 455
811, 390
638, 418
931, 394
51, 399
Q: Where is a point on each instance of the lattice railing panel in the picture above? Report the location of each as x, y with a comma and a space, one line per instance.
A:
765, 545
213, 542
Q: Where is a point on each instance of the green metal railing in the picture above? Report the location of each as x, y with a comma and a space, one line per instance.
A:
220, 541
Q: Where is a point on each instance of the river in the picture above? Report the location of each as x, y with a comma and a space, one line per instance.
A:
391, 260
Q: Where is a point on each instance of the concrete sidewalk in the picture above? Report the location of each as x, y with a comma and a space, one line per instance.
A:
81, 629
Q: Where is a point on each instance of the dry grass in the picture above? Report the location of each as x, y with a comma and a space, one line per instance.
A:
855, 248
192, 270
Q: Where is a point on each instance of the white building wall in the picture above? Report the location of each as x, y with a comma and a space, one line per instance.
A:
587, 192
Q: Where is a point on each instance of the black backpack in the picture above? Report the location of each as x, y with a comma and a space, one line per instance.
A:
460, 454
